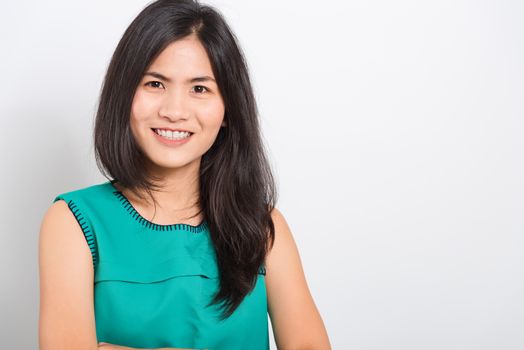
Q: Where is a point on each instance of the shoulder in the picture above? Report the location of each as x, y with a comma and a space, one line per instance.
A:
280, 223
283, 257
82, 192
66, 278
61, 233
284, 242
57, 216
294, 317
72, 216
277, 215
63, 252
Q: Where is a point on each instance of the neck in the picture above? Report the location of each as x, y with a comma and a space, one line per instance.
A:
177, 198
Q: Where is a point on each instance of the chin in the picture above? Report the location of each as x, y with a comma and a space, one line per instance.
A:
174, 164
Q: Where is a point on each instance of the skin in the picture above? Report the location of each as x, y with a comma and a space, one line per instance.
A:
176, 103
66, 274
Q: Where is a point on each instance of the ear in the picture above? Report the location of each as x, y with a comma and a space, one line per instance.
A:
224, 123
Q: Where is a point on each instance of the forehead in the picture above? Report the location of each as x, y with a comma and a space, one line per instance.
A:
186, 56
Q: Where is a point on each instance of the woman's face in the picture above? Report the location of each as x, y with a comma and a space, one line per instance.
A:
177, 92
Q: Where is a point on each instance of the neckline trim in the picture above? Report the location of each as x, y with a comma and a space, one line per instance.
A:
151, 225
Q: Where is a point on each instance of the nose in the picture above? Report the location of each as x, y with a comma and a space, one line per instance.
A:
174, 106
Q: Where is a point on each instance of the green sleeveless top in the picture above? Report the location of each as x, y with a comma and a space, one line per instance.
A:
152, 282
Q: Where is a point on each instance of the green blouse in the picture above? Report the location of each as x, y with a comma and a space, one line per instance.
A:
152, 282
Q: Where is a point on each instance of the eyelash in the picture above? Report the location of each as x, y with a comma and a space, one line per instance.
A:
148, 84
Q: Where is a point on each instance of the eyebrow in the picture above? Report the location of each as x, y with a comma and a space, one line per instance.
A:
192, 80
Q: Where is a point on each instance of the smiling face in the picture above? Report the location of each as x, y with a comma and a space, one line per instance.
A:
177, 92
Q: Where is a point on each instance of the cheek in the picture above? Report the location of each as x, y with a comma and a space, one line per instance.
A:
141, 108
214, 113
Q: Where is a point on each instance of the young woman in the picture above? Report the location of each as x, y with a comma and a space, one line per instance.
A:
182, 247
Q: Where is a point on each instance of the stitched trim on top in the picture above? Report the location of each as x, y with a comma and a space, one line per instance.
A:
262, 270
143, 221
86, 229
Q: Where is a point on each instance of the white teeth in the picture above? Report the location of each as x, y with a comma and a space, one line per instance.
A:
173, 135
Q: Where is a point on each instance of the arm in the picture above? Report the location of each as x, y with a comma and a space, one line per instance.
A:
297, 324
66, 319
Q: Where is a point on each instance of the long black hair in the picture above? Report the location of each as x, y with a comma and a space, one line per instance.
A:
237, 187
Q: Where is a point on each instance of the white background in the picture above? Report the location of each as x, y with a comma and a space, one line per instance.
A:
395, 128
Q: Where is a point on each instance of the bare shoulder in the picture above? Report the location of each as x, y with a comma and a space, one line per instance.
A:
296, 322
61, 233
66, 319
60, 230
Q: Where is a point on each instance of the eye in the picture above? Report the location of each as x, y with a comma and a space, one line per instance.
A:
199, 88
152, 82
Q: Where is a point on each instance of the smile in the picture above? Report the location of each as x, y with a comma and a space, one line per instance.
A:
172, 135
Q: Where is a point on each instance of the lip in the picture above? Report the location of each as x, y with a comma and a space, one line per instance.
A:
182, 130
171, 142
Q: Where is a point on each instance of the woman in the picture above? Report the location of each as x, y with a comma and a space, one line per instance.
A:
185, 248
